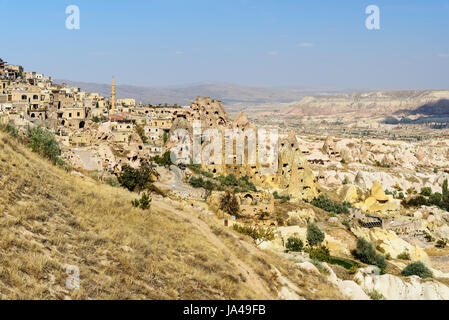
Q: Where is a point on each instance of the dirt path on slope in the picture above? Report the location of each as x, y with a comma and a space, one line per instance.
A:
253, 280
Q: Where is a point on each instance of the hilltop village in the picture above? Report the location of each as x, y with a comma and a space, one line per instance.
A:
391, 194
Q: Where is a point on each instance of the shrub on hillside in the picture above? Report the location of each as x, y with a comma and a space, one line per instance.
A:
196, 182
323, 202
376, 295
415, 202
230, 204
445, 188
441, 243
258, 234
278, 197
366, 253
435, 199
136, 179
228, 181
10, 128
404, 256
426, 191
43, 142
321, 254
143, 203
294, 244
165, 160
314, 235
417, 269
245, 185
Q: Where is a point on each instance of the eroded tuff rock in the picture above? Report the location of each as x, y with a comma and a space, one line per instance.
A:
399, 288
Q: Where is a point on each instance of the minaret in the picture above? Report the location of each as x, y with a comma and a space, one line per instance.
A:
113, 97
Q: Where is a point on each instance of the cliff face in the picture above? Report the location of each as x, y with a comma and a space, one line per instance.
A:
378, 103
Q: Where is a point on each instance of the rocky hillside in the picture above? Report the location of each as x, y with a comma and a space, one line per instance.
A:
378, 103
51, 219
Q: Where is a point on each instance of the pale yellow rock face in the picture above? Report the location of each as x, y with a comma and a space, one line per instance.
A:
396, 288
351, 193
378, 201
294, 174
391, 243
378, 193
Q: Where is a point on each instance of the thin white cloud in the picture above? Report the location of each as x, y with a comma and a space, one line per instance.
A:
443, 55
273, 53
305, 45
179, 53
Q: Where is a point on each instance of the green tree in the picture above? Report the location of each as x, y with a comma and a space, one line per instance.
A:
323, 202
426, 191
230, 204
321, 254
294, 244
417, 269
229, 180
314, 235
43, 142
366, 253
445, 189
137, 179
258, 234
208, 186
165, 160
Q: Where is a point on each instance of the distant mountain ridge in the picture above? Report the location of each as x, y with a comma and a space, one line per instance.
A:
228, 93
375, 103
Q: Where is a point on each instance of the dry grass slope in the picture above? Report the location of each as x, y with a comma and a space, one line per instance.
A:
50, 219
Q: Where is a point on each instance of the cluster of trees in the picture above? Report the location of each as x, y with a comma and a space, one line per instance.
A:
241, 185
39, 140
317, 251
323, 202
427, 198
199, 170
314, 237
221, 183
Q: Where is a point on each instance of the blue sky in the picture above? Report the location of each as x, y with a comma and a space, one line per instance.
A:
290, 43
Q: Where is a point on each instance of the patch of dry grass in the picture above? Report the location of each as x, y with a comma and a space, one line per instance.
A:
50, 219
